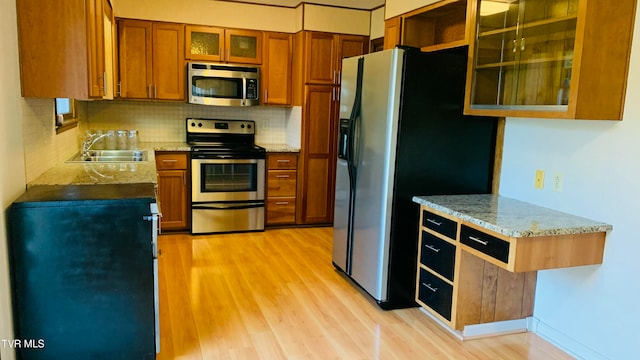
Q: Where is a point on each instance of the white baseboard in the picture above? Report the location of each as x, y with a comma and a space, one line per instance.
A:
471, 332
564, 342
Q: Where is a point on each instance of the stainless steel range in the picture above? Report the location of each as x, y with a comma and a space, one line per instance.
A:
227, 176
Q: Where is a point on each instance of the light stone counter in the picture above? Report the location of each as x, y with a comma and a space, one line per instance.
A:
511, 217
279, 148
96, 173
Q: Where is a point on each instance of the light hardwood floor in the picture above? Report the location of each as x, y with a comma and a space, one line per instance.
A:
275, 295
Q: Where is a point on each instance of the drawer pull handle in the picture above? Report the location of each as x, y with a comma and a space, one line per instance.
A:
283, 161
485, 243
170, 161
434, 222
432, 248
282, 203
428, 286
282, 176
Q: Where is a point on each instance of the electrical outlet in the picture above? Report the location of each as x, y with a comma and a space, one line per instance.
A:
557, 182
538, 182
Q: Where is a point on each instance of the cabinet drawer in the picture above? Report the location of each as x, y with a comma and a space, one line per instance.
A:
439, 224
281, 210
438, 255
490, 245
282, 161
171, 161
281, 183
435, 293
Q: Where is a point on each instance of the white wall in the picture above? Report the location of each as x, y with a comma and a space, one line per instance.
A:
336, 20
399, 7
377, 23
207, 12
593, 310
12, 178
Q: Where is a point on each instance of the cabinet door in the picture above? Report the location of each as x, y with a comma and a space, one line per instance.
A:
349, 46
243, 46
392, 32
204, 43
168, 61
135, 58
523, 56
96, 43
60, 48
320, 49
319, 149
174, 199
276, 71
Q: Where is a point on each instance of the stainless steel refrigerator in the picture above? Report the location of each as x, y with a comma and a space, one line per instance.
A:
402, 133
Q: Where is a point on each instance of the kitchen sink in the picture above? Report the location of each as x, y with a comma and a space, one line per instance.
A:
110, 156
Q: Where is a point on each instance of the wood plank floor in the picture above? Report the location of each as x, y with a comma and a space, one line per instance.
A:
275, 295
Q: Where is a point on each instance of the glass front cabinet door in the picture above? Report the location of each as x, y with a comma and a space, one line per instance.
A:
529, 58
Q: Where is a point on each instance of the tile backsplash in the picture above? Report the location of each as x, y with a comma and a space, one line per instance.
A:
44, 148
165, 121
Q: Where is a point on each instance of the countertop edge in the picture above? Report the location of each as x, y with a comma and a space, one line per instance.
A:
590, 226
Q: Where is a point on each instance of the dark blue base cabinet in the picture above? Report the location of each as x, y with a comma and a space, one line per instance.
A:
83, 272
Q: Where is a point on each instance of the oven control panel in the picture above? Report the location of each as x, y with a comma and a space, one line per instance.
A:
213, 126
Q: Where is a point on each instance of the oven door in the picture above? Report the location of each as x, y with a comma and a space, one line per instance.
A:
216, 180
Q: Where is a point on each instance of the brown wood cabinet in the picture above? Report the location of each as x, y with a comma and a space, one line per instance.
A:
324, 53
61, 45
551, 63
317, 64
392, 32
281, 188
277, 69
151, 60
444, 24
174, 192
319, 139
223, 45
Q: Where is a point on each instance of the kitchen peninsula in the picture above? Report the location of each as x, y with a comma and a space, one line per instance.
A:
479, 256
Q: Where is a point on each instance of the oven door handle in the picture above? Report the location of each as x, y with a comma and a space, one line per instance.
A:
229, 206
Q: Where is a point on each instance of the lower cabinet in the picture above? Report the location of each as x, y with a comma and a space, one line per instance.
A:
462, 289
282, 180
174, 190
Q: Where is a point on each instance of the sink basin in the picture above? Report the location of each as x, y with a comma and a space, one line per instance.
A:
111, 156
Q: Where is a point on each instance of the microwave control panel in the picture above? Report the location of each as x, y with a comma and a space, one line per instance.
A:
252, 89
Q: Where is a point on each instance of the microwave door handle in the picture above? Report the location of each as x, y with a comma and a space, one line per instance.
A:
244, 91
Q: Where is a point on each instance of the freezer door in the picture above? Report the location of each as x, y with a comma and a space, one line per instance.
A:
341, 217
376, 135
341, 207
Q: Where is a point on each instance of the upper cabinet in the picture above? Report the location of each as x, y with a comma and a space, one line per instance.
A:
62, 48
392, 32
324, 53
276, 69
151, 60
444, 24
223, 45
550, 58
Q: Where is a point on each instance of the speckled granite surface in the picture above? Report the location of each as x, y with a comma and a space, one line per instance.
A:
279, 148
88, 173
511, 217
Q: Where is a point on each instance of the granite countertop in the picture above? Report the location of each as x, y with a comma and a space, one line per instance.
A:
511, 217
96, 173
279, 148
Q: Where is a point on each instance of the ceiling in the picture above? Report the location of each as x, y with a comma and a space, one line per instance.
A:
353, 4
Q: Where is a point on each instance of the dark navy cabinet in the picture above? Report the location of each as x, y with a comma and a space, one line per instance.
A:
82, 272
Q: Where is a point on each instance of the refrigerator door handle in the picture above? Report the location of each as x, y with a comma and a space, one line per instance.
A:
353, 120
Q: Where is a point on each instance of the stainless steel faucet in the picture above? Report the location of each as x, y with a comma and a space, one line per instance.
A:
90, 141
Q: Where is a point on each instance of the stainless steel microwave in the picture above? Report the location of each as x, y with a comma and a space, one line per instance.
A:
223, 84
